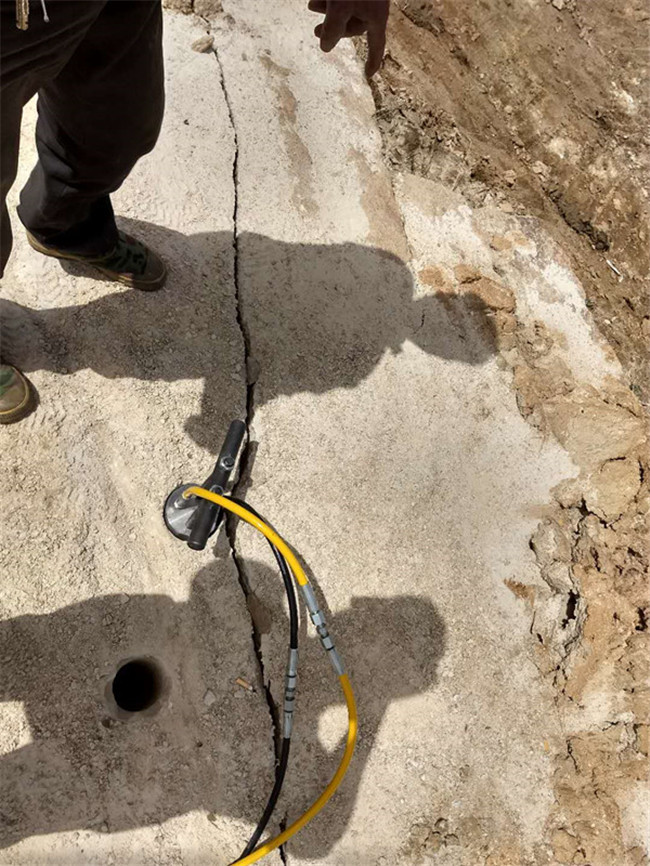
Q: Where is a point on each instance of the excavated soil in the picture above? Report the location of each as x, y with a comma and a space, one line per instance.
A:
540, 110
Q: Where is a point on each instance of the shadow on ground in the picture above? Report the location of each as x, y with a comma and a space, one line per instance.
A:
319, 317
85, 769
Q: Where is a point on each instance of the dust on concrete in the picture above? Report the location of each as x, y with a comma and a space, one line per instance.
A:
549, 120
301, 162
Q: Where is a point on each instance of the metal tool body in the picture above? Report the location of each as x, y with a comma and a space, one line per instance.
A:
194, 520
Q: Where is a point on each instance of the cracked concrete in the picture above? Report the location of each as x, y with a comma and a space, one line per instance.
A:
230, 523
418, 374
104, 578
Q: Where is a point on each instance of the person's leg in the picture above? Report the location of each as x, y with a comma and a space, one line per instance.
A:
100, 113
11, 114
28, 59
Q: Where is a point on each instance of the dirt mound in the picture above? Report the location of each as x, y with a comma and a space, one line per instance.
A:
542, 110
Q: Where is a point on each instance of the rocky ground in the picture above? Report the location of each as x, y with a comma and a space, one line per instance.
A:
426, 300
541, 110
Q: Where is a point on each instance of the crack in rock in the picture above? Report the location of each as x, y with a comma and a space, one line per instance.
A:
230, 524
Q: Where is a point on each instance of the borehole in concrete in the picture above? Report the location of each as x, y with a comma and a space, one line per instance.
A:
138, 685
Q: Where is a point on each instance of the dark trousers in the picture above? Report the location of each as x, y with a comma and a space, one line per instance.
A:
97, 68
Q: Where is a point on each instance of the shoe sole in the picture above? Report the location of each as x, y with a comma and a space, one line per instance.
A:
151, 286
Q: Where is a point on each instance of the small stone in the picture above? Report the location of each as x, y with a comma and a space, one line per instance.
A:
592, 430
558, 4
436, 278
558, 577
612, 488
494, 295
550, 544
209, 698
203, 44
122, 598
467, 273
500, 243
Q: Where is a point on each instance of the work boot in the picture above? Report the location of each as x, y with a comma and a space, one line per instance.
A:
131, 262
16, 395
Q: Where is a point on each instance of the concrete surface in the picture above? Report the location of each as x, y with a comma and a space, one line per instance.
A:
387, 445
391, 447
92, 576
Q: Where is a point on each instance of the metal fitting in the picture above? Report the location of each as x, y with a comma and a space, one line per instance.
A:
337, 662
310, 598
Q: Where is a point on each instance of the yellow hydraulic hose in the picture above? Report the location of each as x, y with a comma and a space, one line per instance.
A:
302, 580
249, 517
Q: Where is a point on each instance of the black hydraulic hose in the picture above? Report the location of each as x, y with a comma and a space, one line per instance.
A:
286, 577
280, 773
291, 595
283, 761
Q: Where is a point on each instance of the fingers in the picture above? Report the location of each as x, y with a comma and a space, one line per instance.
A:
354, 27
352, 18
333, 26
376, 46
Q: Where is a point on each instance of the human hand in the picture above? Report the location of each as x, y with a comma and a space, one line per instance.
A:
353, 18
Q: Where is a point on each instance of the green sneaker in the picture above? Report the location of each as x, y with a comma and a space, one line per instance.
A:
16, 395
131, 262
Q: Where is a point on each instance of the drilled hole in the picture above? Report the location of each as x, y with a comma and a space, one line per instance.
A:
137, 685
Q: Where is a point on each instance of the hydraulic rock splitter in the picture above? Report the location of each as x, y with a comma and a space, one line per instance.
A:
193, 513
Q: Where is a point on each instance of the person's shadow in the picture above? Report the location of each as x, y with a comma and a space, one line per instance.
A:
92, 766
316, 317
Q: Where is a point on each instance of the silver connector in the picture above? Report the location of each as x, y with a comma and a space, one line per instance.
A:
292, 663
337, 663
321, 627
291, 678
310, 598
